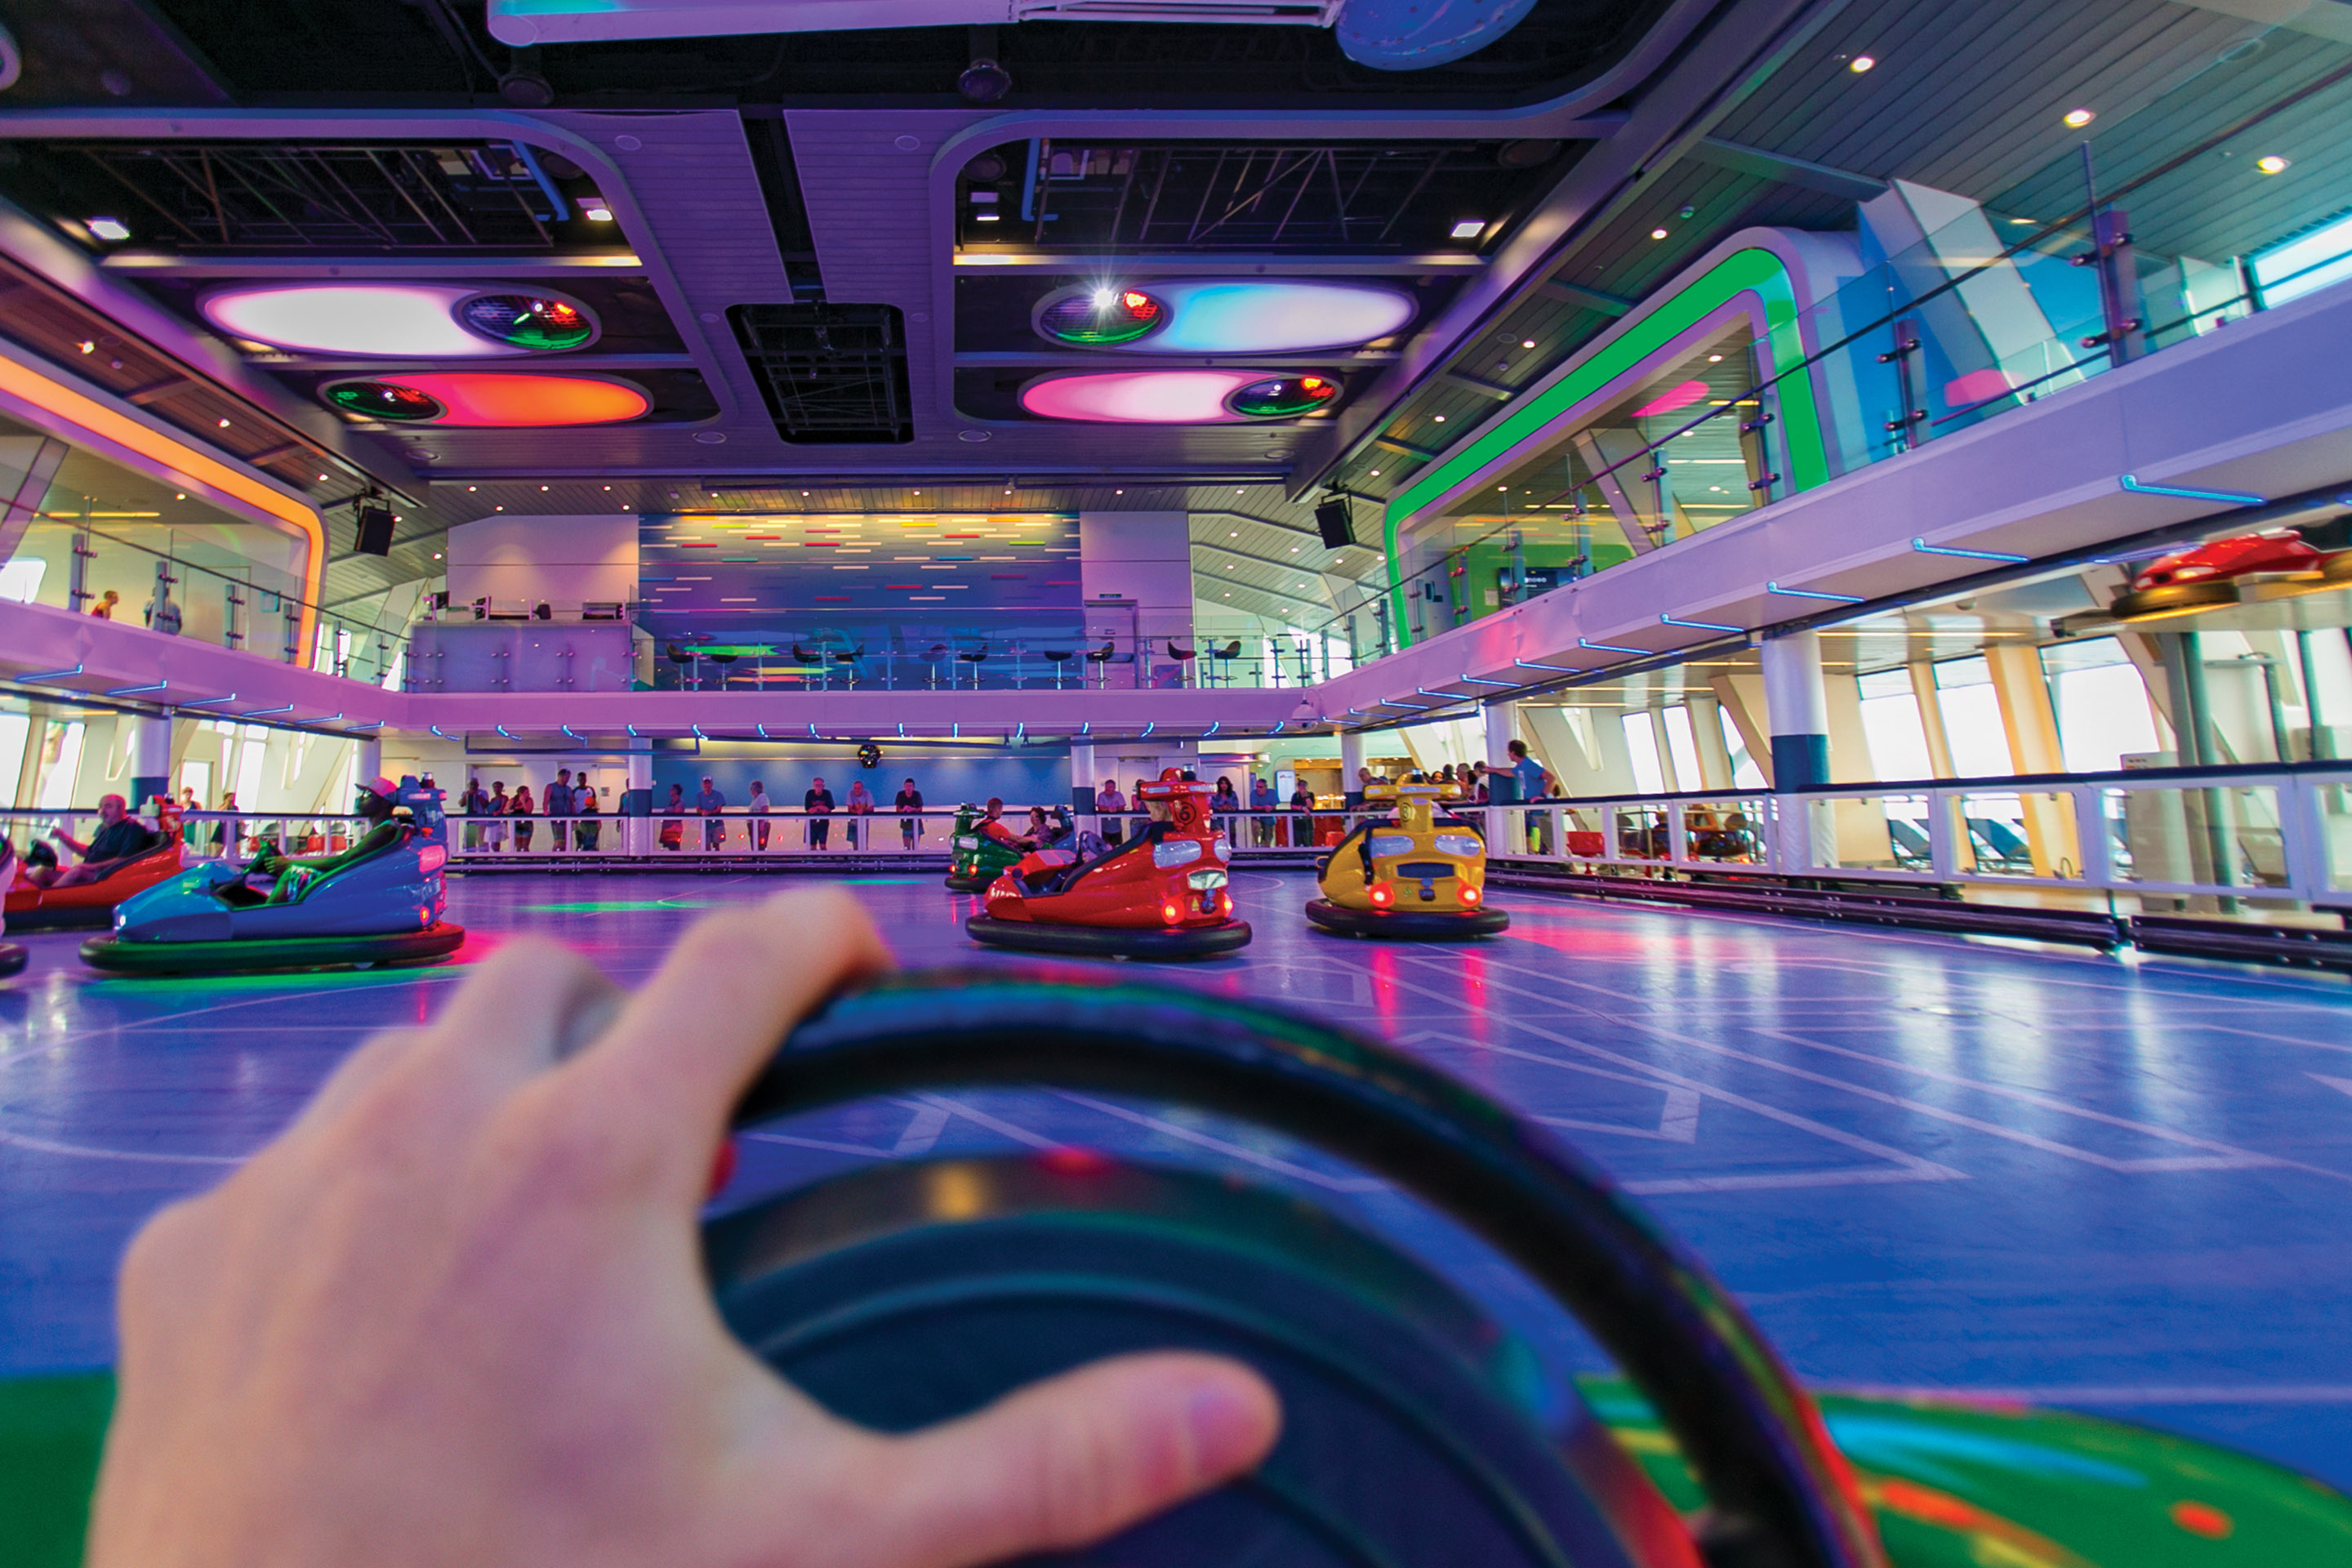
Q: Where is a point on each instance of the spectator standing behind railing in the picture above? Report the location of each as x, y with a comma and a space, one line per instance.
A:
910, 825
471, 804
229, 837
1224, 803
757, 806
522, 809
586, 831
494, 832
818, 804
673, 828
1535, 782
861, 805
711, 802
104, 609
1302, 826
562, 802
1262, 803
1110, 803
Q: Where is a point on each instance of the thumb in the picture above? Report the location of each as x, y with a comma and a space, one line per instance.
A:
1070, 1460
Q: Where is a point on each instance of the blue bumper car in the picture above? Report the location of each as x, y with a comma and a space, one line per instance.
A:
377, 903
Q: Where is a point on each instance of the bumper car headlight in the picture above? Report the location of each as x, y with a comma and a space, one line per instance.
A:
1464, 846
1385, 845
1171, 853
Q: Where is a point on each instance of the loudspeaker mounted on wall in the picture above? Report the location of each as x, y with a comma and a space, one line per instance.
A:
372, 529
1335, 523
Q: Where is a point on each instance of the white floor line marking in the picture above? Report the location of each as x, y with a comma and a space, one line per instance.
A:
1678, 1122
85, 1152
1203, 1140
795, 1141
1763, 1180
995, 1125
2110, 1394
1913, 1166
2225, 1156
2270, 1037
923, 1131
2342, 1084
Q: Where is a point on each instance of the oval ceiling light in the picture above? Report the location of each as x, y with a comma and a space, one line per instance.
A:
1414, 35
1239, 316
485, 399
1170, 396
1678, 396
401, 320
1099, 318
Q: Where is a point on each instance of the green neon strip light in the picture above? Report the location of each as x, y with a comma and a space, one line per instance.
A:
1754, 271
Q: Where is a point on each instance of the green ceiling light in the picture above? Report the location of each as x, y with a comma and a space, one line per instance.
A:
1282, 396
385, 400
1099, 316
540, 323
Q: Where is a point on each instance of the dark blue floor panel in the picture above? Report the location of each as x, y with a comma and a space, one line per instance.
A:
1924, 1162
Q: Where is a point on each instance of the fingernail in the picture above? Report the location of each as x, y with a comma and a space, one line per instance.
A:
1227, 1421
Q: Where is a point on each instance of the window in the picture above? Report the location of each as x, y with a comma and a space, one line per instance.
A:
2289, 271
1642, 745
60, 761
1972, 718
20, 580
1891, 726
2102, 703
1682, 745
1745, 773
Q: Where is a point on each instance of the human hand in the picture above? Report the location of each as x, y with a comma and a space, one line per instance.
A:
455, 1314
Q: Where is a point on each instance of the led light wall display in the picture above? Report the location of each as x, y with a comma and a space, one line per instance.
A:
490, 399
1177, 397
1203, 316
402, 321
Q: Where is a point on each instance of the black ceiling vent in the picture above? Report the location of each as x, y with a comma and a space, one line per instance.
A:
831, 373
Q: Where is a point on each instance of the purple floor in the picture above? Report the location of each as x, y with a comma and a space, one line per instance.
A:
1924, 1162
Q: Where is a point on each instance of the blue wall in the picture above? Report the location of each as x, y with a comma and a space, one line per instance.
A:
946, 779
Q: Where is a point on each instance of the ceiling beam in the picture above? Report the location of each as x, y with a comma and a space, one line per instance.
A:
1782, 169
1589, 298
1178, 263
317, 267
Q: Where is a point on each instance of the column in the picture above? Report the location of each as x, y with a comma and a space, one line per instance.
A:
639, 801
367, 762
1083, 781
1502, 728
1351, 762
150, 759
1797, 710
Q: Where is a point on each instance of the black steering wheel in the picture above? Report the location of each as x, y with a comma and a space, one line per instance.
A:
911, 1292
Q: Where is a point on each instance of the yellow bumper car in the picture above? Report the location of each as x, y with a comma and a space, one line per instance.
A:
1413, 876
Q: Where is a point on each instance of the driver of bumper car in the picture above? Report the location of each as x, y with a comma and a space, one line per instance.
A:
388, 825
119, 837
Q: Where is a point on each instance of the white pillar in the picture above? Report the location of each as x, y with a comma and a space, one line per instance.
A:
1082, 771
1351, 762
150, 759
1502, 728
640, 829
1796, 710
368, 762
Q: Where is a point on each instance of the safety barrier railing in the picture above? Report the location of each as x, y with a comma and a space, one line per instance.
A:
2255, 834
203, 835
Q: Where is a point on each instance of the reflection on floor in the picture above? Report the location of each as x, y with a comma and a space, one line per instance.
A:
1924, 1162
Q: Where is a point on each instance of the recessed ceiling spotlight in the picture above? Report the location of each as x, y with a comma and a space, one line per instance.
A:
594, 210
2271, 164
182, 496
542, 490
322, 478
1374, 473
470, 488
1860, 63
1526, 342
1440, 419
88, 347
107, 228
1714, 359
1657, 234
2078, 117
1469, 228
224, 423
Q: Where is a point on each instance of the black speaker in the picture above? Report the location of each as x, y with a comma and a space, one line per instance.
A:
371, 530
1338, 527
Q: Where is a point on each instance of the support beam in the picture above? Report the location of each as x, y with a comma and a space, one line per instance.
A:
1782, 169
1589, 298
1494, 390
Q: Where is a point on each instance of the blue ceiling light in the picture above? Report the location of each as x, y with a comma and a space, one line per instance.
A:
1253, 317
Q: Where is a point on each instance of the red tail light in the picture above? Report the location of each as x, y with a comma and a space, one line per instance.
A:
1383, 894
1224, 903
1469, 895
1171, 913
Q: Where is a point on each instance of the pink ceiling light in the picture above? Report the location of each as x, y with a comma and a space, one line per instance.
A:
1674, 397
1141, 396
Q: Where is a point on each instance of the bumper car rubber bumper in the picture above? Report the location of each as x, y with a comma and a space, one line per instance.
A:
956, 884
12, 959
253, 956
1407, 925
1110, 942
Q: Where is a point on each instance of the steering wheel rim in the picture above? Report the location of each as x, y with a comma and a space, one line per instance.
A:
1779, 1492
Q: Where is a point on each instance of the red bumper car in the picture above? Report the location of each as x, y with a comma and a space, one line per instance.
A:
31, 907
1161, 894
2209, 575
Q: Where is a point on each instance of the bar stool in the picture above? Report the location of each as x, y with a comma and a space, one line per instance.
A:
1100, 658
1059, 658
1184, 658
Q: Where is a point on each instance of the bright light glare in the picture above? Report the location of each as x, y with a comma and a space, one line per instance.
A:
2271, 164
1860, 63
1103, 297
2078, 117
107, 228
402, 321
1469, 228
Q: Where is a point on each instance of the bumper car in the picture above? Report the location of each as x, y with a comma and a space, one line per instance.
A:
976, 855
379, 902
1161, 894
1415, 877
1417, 1428
2214, 573
31, 907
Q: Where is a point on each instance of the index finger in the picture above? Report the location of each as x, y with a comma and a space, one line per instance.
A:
684, 1048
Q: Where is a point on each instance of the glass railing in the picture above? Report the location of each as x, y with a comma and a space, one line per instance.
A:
1994, 310
2172, 838
130, 564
